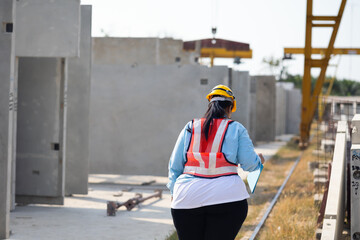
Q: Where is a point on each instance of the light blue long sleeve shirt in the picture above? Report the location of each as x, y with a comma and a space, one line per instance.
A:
237, 148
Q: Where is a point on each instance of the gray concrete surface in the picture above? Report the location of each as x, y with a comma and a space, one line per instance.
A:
293, 111
84, 217
78, 110
281, 110
39, 159
240, 85
7, 106
265, 107
138, 51
47, 28
252, 128
137, 113
333, 223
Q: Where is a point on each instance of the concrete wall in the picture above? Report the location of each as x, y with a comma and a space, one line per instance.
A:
137, 113
41, 123
252, 128
265, 107
78, 98
135, 51
7, 105
240, 85
293, 111
47, 28
281, 110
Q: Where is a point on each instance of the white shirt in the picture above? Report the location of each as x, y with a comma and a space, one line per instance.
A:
201, 192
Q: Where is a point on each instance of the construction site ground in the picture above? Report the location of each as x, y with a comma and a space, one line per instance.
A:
84, 216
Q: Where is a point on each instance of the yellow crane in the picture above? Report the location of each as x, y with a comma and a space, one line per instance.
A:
309, 96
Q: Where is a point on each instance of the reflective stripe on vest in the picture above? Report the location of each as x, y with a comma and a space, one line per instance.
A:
204, 157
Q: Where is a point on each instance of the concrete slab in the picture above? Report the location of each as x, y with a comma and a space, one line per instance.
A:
293, 111
8, 97
127, 179
84, 217
143, 109
58, 36
78, 111
7, 110
40, 159
240, 85
280, 110
265, 107
138, 51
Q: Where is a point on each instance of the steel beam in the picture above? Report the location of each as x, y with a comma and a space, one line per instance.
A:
321, 51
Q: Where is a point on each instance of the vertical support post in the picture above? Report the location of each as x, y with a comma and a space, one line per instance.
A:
7, 83
306, 85
354, 108
342, 109
333, 107
62, 131
13, 161
355, 179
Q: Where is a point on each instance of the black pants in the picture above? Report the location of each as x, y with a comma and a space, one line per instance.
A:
214, 222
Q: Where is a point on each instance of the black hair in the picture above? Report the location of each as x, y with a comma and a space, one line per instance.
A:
216, 109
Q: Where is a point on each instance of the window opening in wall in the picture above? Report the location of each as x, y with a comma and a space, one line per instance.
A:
203, 81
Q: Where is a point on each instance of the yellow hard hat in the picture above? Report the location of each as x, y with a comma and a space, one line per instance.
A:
222, 90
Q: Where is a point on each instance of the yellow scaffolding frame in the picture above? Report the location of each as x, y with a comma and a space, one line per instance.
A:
310, 99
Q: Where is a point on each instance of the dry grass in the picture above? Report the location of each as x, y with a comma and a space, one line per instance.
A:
294, 215
272, 177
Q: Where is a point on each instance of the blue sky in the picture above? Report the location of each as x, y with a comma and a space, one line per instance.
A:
267, 25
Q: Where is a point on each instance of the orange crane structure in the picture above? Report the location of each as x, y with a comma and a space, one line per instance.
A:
310, 96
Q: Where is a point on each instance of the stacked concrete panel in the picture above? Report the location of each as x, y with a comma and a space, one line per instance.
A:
137, 113
40, 140
47, 28
78, 108
265, 107
240, 84
281, 110
252, 127
293, 111
135, 51
42, 46
7, 106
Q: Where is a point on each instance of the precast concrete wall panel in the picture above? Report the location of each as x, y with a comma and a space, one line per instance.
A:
7, 109
281, 108
40, 163
252, 128
265, 108
252, 125
293, 117
137, 113
78, 99
47, 28
138, 51
240, 85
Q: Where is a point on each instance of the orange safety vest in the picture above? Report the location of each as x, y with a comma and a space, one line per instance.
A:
204, 157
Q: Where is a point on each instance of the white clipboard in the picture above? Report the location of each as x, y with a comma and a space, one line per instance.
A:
253, 178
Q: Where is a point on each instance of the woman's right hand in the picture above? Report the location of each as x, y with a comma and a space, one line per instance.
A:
262, 158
